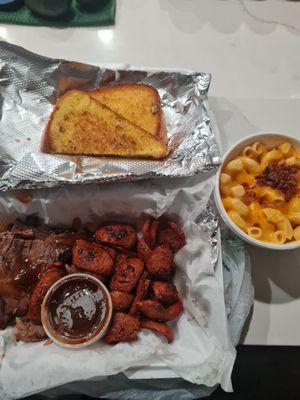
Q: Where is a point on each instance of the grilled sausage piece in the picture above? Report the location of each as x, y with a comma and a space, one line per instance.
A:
121, 300
127, 275
144, 251
124, 328
91, 257
165, 292
141, 292
158, 327
39, 292
117, 235
153, 309
172, 235
149, 231
160, 262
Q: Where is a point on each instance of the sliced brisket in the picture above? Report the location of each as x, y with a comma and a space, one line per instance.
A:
25, 254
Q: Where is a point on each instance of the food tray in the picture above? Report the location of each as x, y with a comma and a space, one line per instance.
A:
196, 278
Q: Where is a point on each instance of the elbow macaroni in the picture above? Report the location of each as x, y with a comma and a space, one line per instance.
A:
238, 191
270, 156
234, 166
255, 232
237, 219
265, 215
231, 203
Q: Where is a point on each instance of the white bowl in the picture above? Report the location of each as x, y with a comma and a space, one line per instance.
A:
268, 139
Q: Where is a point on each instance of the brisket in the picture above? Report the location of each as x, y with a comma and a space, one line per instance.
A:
25, 254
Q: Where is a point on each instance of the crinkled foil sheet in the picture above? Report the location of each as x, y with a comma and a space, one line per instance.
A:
29, 87
209, 223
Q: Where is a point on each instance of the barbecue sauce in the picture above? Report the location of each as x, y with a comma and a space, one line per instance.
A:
27, 271
77, 308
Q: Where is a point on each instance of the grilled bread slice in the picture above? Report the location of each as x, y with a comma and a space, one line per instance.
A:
138, 103
80, 124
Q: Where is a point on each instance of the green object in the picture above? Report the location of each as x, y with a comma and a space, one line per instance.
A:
49, 8
88, 5
103, 16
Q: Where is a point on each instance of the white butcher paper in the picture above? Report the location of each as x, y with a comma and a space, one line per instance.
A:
202, 351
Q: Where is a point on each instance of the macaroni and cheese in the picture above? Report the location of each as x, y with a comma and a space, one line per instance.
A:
260, 191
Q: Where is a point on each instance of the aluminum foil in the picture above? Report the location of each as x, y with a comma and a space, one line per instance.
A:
209, 223
29, 87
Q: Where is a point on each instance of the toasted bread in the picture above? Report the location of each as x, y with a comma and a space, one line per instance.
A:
80, 124
138, 103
